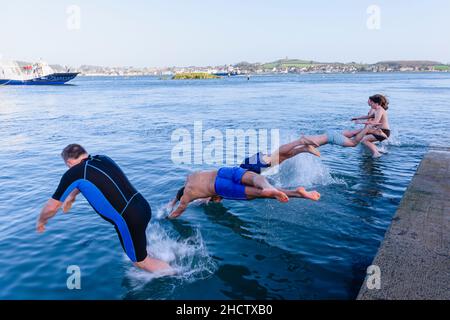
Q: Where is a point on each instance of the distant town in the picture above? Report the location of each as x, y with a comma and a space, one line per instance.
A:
282, 66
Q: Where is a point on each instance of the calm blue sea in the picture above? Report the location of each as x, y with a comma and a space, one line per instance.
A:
252, 250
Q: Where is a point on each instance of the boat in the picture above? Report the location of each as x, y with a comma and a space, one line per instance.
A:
40, 73
226, 74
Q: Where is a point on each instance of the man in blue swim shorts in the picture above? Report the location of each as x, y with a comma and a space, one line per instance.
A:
232, 183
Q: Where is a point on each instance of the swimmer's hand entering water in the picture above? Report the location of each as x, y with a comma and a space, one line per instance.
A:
50, 209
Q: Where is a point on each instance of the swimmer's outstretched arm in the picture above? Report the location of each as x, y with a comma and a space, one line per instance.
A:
50, 209
362, 118
369, 116
184, 202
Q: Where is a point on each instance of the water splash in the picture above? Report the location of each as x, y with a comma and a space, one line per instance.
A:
188, 257
303, 170
162, 211
394, 139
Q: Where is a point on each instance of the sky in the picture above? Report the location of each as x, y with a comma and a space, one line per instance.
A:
158, 33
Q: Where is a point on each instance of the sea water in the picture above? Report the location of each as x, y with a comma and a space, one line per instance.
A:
238, 249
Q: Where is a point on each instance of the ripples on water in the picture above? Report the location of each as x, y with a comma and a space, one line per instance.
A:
259, 249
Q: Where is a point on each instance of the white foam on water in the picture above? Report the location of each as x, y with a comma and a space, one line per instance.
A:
302, 170
188, 257
393, 140
162, 212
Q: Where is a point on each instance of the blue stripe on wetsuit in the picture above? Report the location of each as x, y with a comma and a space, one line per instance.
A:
97, 200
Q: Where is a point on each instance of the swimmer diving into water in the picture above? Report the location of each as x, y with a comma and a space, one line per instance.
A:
232, 183
112, 196
260, 161
376, 129
346, 138
377, 114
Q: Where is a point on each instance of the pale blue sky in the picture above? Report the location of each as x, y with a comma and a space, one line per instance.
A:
213, 32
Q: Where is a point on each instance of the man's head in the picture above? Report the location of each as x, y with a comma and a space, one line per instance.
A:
216, 199
73, 154
179, 194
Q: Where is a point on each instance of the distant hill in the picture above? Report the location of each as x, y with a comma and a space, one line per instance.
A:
409, 63
288, 63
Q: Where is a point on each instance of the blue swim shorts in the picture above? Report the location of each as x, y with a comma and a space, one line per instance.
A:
255, 163
228, 183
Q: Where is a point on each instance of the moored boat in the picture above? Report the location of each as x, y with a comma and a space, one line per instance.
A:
12, 73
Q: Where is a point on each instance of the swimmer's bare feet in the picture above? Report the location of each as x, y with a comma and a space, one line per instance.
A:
312, 150
376, 155
274, 193
312, 195
306, 141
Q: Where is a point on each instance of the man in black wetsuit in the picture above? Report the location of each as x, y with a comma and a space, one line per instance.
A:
112, 196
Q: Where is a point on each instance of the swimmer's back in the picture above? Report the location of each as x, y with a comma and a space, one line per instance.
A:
97, 176
201, 184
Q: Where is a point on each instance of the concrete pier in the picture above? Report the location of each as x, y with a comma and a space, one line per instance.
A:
414, 258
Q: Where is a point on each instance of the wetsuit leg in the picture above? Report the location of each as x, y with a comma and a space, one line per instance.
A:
137, 216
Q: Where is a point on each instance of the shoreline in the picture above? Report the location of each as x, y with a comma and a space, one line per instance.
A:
265, 74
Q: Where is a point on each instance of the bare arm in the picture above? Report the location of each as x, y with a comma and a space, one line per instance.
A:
50, 209
184, 202
369, 116
361, 118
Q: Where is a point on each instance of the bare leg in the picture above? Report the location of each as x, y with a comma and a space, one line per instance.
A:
300, 192
369, 143
351, 133
357, 139
276, 159
251, 179
155, 265
308, 148
286, 151
318, 140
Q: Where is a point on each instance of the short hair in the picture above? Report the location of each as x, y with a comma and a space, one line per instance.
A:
180, 194
72, 151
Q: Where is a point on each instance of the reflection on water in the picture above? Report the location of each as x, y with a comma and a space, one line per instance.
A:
238, 249
217, 213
